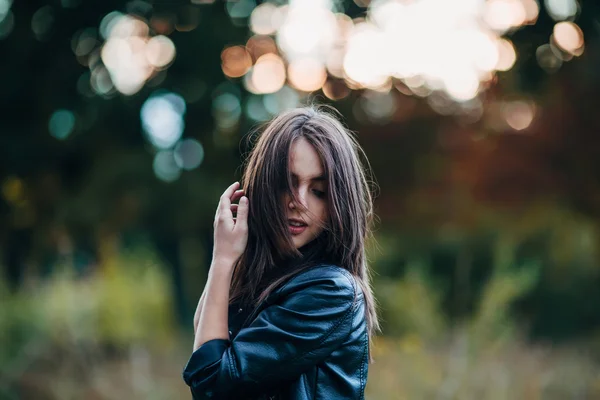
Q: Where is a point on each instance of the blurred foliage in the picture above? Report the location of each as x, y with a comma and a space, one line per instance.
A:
413, 305
449, 185
508, 282
112, 335
72, 321
407, 368
487, 265
544, 263
482, 355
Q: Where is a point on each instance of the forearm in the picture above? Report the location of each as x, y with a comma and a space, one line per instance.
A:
199, 310
213, 319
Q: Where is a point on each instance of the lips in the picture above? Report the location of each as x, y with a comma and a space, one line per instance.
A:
296, 226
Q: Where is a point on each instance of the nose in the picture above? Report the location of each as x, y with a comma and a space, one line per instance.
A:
301, 197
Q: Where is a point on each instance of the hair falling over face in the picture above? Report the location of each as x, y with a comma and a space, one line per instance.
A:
287, 186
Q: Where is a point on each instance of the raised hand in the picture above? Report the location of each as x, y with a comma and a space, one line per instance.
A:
231, 234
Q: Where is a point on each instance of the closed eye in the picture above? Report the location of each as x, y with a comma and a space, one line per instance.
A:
319, 193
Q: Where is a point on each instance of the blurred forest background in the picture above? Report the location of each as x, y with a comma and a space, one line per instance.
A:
123, 122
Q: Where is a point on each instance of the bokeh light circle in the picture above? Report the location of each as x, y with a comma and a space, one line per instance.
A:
61, 124
165, 167
569, 37
162, 119
160, 51
235, 61
518, 114
307, 74
268, 74
188, 154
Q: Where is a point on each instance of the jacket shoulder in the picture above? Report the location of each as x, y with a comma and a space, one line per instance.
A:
323, 277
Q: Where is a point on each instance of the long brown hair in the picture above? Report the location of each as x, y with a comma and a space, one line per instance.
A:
270, 252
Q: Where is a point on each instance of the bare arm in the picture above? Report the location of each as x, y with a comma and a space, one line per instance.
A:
213, 318
231, 235
199, 310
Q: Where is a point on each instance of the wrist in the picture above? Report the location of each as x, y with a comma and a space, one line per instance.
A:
222, 264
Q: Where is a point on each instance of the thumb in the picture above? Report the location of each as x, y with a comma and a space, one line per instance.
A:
241, 220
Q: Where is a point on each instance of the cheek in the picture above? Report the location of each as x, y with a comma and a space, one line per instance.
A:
321, 212
325, 213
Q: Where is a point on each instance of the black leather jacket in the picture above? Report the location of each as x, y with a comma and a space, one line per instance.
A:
308, 340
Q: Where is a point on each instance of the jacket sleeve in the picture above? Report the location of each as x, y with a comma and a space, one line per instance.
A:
285, 339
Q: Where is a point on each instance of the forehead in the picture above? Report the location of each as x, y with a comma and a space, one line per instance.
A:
305, 162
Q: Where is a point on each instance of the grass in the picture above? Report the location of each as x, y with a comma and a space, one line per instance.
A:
406, 368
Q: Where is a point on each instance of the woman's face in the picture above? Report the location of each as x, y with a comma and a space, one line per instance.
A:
307, 218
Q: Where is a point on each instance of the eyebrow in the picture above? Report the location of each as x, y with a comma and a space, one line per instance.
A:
320, 178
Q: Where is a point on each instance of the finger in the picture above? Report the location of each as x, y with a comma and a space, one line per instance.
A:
225, 201
241, 221
237, 194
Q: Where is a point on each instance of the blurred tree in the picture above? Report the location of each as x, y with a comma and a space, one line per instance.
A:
94, 191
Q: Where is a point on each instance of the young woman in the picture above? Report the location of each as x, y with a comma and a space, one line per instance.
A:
287, 311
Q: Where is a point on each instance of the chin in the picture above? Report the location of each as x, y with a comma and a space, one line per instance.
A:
302, 240
298, 242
